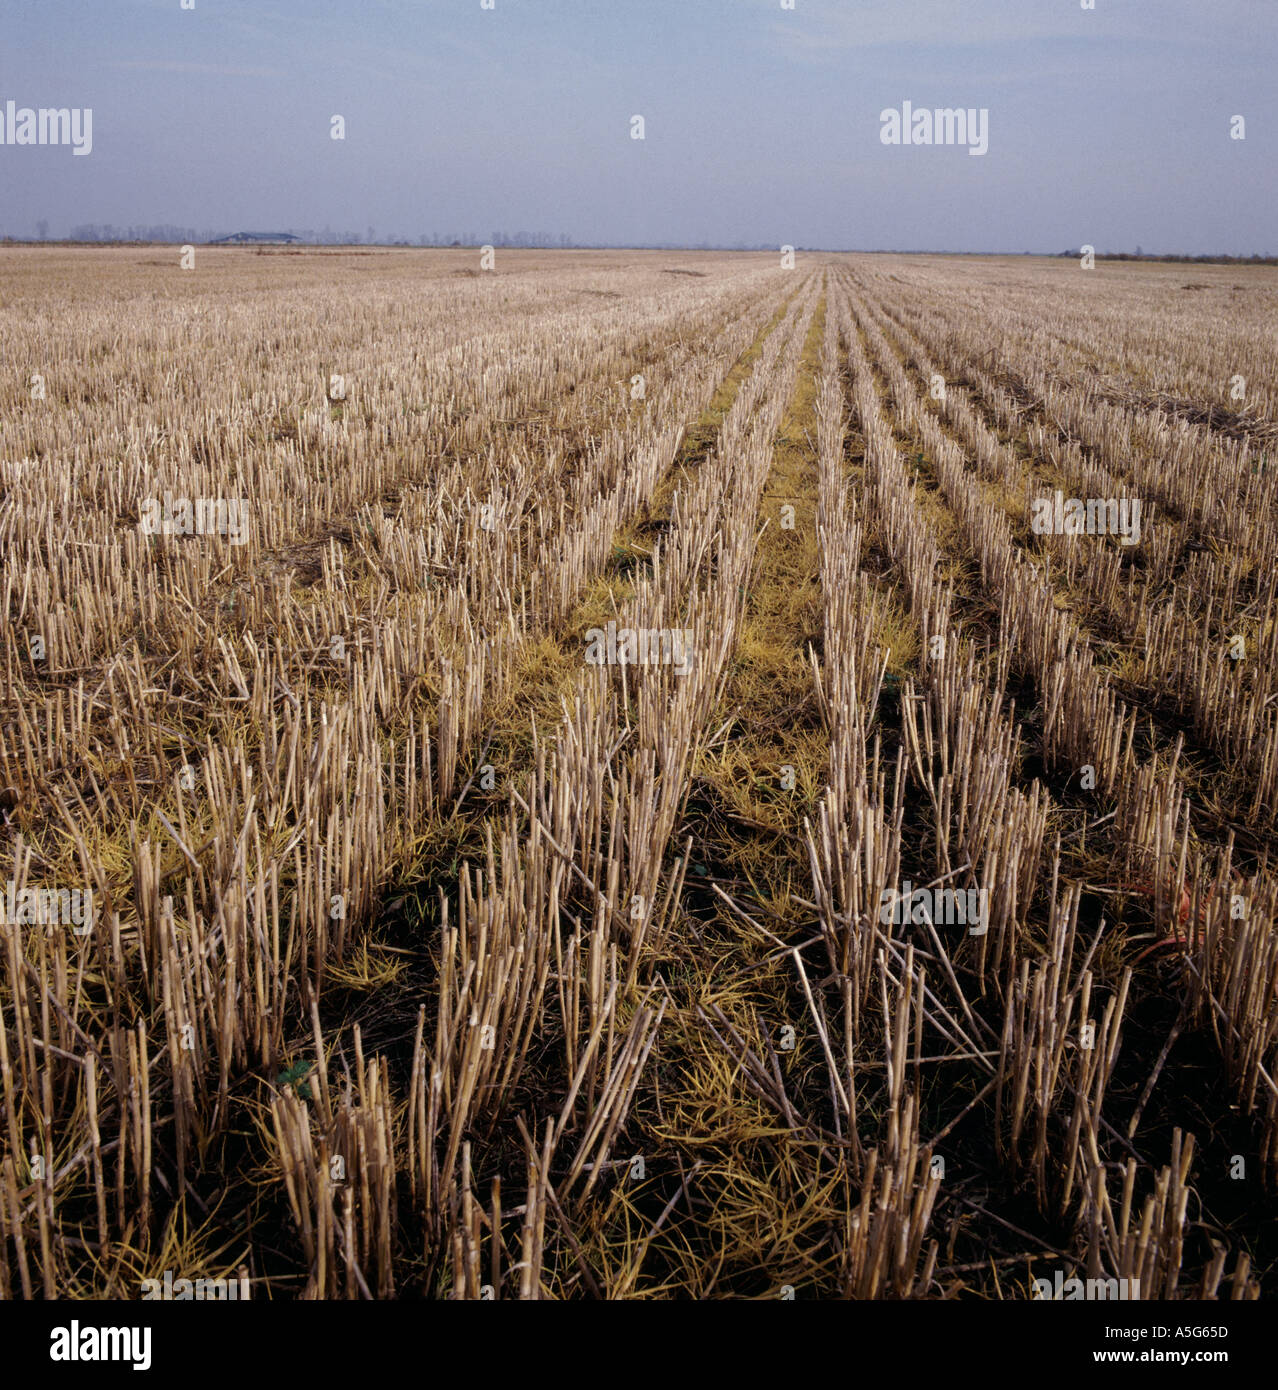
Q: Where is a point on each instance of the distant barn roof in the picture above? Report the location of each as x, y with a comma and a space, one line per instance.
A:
238, 238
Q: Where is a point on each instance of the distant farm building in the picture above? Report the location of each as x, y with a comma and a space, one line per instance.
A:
253, 238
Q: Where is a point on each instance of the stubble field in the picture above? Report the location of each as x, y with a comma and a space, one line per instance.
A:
589, 779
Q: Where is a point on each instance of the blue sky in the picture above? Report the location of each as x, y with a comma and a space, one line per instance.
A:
1108, 126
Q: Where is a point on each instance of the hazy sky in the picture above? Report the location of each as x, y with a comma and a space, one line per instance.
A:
1109, 126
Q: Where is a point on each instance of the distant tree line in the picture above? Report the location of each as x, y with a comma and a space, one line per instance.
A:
92, 231
181, 236
108, 231
174, 235
1188, 260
